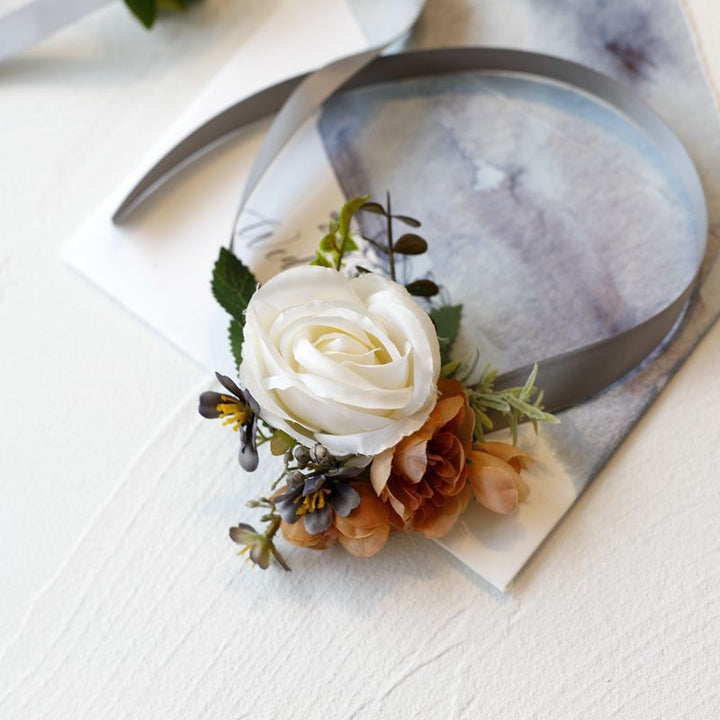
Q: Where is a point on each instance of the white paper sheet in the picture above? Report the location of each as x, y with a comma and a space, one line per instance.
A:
158, 265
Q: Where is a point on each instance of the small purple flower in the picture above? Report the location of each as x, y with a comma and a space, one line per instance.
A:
260, 548
315, 497
239, 410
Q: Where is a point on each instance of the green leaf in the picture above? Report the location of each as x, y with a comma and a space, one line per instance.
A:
483, 420
412, 222
328, 243
172, 4
410, 244
321, 261
423, 288
237, 337
349, 245
524, 408
375, 208
347, 212
494, 402
529, 387
450, 369
144, 10
233, 285
281, 442
447, 323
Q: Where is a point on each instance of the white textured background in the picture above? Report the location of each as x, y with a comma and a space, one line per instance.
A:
119, 596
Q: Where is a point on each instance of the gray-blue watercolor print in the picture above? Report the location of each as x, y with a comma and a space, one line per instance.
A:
548, 216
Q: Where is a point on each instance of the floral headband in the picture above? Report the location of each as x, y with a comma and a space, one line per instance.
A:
346, 377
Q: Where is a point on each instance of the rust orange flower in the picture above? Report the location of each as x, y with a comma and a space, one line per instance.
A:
362, 533
365, 530
296, 534
424, 477
494, 475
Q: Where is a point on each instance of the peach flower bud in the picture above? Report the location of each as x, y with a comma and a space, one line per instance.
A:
494, 475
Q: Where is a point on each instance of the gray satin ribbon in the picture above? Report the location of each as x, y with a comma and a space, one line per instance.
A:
567, 379
37, 19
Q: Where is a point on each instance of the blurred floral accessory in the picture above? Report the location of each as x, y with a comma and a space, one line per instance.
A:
348, 376
146, 11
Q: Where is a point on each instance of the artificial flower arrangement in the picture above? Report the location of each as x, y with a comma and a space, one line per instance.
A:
350, 380
146, 11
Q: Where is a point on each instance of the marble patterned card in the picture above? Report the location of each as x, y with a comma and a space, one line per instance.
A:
575, 230
573, 225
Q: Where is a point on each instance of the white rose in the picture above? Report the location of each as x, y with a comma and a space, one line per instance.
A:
349, 363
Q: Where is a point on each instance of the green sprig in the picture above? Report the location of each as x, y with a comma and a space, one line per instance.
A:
338, 241
516, 404
407, 244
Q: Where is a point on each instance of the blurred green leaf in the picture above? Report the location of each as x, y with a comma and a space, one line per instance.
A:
423, 288
327, 244
321, 261
237, 337
447, 324
348, 210
144, 10
375, 208
410, 244
281, 442
412, 222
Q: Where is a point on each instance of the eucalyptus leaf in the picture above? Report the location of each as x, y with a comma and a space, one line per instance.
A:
423, 288
375, 208
410, 244
412, 222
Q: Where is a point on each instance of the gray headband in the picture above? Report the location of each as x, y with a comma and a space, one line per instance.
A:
568, 378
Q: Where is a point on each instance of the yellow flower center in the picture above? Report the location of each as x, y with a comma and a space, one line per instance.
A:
233, 412
314, 501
